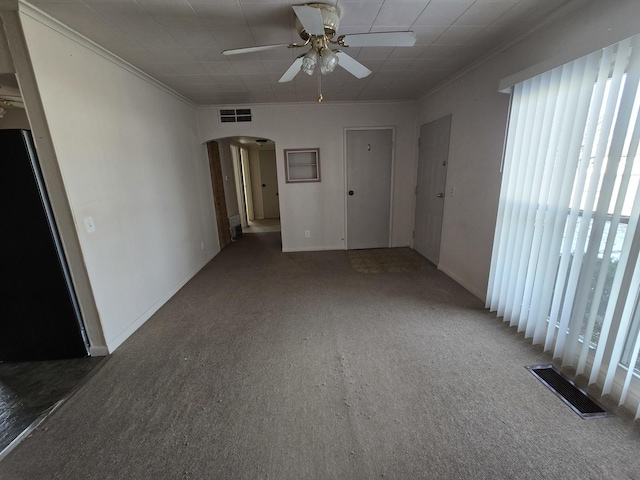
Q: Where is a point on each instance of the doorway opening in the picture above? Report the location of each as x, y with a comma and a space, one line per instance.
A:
245, 183
44, 346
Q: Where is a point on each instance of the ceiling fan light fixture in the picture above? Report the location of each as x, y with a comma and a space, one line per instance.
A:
309, 62
329, 60
317, 25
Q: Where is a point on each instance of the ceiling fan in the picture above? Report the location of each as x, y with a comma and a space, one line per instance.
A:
317, 24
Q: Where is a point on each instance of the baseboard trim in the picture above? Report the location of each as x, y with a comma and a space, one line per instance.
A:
98, 350
313, 249
127, 332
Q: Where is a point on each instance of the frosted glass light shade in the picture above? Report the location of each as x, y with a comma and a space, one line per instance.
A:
329, 61
309, 62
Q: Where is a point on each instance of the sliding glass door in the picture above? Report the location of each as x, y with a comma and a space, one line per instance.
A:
565, 267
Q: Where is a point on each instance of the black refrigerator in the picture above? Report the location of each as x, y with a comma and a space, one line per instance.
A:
39, 314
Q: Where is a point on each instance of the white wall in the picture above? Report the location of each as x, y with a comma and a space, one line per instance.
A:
479, 122
320, 207
130, 159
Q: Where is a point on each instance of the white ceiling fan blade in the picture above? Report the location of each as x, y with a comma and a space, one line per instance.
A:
351, 65
380, 39
261, 48
310, 18
292, 71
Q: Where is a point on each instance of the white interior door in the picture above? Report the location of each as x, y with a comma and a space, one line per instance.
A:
240, 193
246, 182
432, 178
269, 178
369, 160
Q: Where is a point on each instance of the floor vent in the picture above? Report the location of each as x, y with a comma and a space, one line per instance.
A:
565, 389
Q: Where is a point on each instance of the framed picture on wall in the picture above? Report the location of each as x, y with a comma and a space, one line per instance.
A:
302, 165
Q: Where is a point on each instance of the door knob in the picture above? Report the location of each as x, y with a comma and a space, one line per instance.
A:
440, 195
350, 192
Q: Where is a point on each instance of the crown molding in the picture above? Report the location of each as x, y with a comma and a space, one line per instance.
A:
551, 18
38, 15
306, 104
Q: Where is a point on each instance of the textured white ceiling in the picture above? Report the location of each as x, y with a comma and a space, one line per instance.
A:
179, 42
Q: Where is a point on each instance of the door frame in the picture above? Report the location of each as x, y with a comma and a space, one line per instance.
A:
391, 179
245, 179
219, 200
235, 150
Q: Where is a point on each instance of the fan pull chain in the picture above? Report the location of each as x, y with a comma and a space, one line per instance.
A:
319, 87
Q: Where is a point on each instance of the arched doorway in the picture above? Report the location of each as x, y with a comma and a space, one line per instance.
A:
245, 186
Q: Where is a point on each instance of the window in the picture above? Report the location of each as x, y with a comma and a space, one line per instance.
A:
565, 267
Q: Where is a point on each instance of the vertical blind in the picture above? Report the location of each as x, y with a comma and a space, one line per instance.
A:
565, 267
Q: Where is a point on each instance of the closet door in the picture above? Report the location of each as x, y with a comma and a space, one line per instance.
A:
369, 159
432, 179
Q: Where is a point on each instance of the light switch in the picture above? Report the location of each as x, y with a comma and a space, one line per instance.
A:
88, 222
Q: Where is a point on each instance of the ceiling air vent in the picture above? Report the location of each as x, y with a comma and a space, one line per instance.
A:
233, 115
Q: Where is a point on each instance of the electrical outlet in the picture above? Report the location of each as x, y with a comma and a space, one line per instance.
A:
307, 234
452, 191
201, 245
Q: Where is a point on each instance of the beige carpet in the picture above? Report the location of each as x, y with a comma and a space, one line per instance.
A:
295, 366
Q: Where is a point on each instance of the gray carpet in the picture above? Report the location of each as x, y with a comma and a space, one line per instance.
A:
295, 366
387, 260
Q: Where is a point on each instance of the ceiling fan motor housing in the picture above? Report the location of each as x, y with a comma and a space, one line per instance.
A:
330, 20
